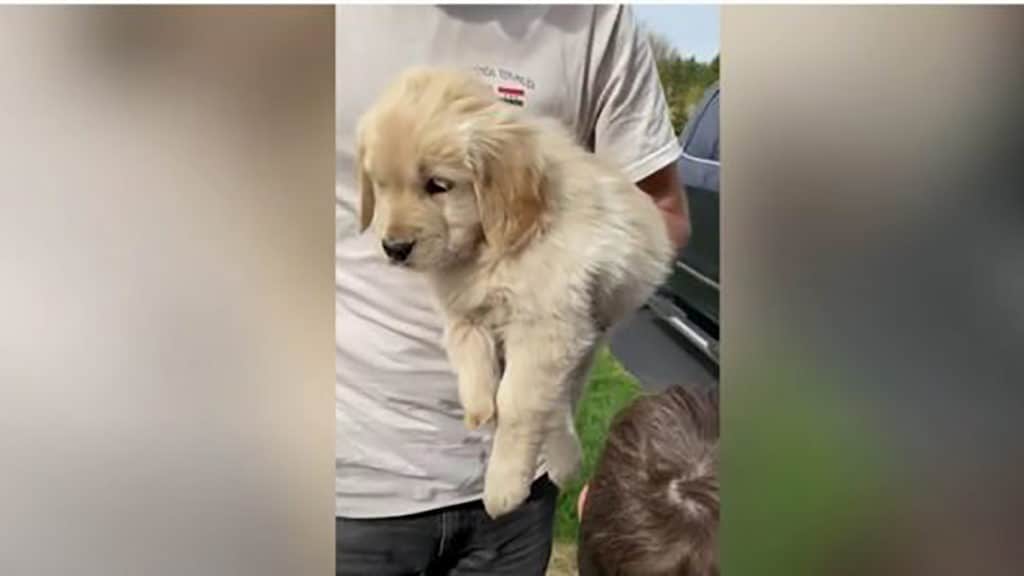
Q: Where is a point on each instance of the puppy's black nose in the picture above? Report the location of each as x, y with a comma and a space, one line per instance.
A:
397, 251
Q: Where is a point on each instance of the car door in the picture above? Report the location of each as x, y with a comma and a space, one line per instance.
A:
695, 280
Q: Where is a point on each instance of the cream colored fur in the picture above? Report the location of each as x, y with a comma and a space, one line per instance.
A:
534, 250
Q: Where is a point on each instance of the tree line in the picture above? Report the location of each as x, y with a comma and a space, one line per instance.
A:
684, 79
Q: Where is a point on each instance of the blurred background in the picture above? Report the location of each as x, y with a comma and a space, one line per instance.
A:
873, 300
166, 290
166, 359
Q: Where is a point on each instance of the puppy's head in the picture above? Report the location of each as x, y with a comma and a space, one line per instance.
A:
445, 168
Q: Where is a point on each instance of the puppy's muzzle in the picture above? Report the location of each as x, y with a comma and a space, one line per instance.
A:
397, 251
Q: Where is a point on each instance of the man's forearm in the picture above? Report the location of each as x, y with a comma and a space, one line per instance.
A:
666, 190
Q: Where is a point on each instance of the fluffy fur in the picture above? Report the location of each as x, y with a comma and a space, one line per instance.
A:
533, 246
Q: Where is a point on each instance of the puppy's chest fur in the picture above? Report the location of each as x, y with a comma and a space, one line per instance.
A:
484, 297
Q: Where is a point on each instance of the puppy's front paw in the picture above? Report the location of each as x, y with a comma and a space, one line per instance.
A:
477, 407
475, 418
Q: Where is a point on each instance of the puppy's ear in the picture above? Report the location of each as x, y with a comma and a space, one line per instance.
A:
365, 189
509, 183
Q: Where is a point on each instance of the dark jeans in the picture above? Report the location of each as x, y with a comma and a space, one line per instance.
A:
460, 540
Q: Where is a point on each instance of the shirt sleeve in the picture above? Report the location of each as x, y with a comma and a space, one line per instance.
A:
629, 114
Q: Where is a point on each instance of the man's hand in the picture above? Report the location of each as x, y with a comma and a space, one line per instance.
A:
667, 191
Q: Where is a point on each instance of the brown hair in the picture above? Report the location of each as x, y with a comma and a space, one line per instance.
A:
652, 504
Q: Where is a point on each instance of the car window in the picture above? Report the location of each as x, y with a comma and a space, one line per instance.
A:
703, 140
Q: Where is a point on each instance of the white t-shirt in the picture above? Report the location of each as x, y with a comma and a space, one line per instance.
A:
401, 446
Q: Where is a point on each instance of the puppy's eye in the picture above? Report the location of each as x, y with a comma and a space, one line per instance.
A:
437, 186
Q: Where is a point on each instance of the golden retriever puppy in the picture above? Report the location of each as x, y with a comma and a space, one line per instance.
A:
534, 247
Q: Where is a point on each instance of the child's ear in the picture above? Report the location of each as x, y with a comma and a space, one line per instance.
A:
581, 501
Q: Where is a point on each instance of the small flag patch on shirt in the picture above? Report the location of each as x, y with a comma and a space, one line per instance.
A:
515, 96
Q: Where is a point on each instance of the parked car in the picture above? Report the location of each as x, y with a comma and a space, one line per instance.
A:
689, 301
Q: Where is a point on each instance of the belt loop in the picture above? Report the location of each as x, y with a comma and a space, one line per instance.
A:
444, 534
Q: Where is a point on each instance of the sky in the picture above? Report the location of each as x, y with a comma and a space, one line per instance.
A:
692, 29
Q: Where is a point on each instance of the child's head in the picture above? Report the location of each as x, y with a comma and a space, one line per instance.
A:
651, 507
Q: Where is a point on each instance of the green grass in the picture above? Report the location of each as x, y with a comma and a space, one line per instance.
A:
611, 388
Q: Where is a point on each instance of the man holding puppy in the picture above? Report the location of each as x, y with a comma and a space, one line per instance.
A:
409, 476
